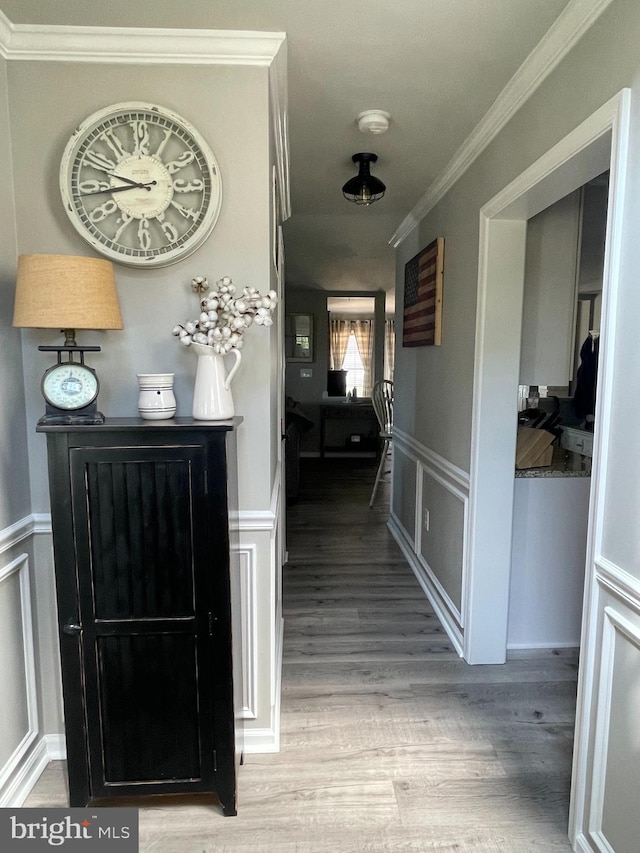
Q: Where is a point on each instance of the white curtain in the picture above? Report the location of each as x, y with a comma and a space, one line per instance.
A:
339, 338
389, 349
363, 330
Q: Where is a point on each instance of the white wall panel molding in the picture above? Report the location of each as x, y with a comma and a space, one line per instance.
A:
426, 581
248, 566
251, 521
16, 533
463, 496
430, 457
456, 481
615, 627
139, 45
12, 772
561, 37
619, 582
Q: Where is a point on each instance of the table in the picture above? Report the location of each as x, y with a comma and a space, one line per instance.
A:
347, 427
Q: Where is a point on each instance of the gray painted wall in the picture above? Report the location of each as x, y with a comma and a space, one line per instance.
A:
152, 301
42, 103
434, 385
14, 478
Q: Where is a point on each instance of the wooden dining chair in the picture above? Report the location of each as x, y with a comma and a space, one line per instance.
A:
382, 399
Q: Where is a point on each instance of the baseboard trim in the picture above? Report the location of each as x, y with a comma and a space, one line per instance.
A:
570, 644
22, 781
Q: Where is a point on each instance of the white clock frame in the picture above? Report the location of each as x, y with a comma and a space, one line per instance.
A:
167, 231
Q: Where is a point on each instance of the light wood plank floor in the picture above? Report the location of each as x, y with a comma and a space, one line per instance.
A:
389, 741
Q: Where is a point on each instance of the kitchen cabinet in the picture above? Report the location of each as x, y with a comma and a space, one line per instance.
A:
577, 440
550, 515
564, 267
148, 605
550, 294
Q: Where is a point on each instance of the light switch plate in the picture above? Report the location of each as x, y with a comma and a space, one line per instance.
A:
306, 372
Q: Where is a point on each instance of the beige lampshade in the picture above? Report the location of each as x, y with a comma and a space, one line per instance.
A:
66, 292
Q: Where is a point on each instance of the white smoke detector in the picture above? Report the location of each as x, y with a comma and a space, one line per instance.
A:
373, 121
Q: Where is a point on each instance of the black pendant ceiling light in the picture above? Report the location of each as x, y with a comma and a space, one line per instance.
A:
364, 188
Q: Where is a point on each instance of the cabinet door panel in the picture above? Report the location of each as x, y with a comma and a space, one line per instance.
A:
136, 520
140, 521
148, 714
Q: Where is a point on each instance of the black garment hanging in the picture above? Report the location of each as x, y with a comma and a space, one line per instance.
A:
584, 398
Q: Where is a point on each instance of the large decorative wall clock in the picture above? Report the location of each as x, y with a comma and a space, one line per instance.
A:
140, 184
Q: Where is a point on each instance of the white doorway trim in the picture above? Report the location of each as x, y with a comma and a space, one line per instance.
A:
598, 144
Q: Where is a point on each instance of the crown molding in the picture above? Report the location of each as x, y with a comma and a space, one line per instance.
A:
146, 46
561, 37
138, 45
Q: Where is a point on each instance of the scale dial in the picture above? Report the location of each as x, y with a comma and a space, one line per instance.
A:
70, 386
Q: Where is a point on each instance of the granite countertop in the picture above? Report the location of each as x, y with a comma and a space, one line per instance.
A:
564, 463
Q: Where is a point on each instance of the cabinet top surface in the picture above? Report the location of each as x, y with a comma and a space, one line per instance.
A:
128, 424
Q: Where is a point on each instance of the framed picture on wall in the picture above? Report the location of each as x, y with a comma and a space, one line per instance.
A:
423, 280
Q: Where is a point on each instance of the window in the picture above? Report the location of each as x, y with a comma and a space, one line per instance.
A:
352, 363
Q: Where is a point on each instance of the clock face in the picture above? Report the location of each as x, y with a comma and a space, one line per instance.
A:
69, 386
140, 185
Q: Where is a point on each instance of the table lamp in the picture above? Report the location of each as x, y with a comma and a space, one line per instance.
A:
67, 293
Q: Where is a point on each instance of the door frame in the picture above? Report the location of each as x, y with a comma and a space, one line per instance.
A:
598, 144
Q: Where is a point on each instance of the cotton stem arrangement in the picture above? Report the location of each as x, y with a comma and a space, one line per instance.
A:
224, 318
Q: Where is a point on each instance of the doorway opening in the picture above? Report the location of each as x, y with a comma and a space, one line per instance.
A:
598, 144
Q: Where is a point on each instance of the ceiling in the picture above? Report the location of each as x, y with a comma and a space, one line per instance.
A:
435, 65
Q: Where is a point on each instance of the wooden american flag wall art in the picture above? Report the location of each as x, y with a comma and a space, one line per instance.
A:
423, 277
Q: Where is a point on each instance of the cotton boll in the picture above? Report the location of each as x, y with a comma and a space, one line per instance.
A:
267, 321
248, 320
259, 320
186, 340
177, 330
190, 327
200, 338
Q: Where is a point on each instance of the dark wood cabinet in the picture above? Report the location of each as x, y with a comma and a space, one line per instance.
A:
148, 606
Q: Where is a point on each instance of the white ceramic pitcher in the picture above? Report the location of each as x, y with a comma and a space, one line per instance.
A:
212, 399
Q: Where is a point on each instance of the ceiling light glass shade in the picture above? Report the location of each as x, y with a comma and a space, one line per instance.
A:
364, 189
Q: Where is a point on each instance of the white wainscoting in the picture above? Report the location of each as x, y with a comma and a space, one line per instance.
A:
260, 569
17, 653
612, 744
429, 464
247, 566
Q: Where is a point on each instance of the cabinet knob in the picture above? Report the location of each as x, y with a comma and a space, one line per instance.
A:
71, 628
